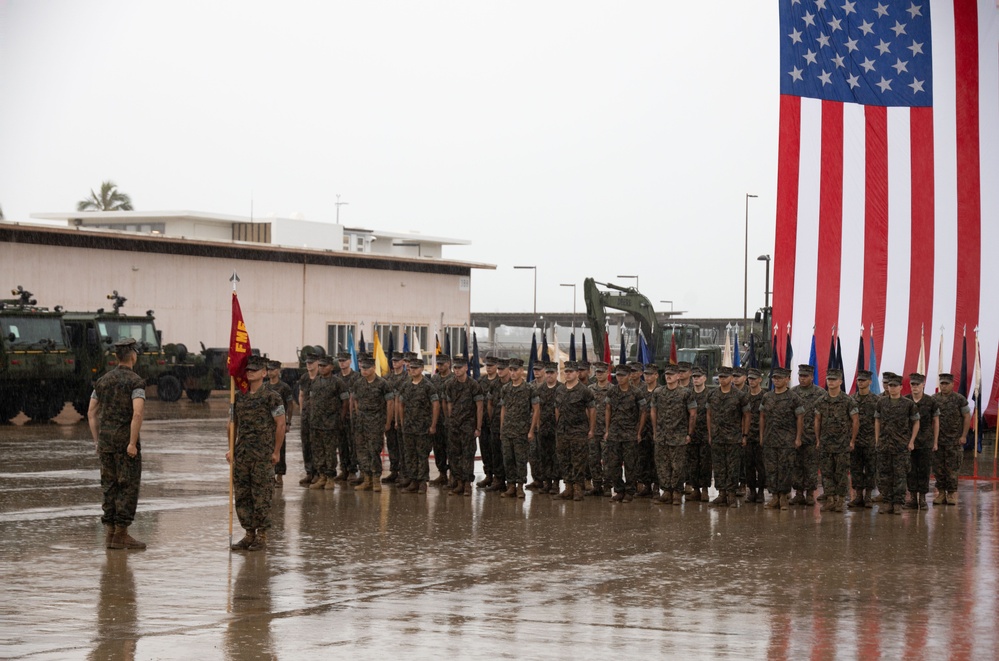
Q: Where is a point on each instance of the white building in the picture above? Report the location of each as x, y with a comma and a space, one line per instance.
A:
301, 282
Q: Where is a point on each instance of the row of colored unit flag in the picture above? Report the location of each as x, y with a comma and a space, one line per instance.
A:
888, 154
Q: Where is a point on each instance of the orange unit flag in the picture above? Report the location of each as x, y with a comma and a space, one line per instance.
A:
239, 347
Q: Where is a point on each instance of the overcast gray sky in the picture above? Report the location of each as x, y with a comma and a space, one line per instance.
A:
586, 138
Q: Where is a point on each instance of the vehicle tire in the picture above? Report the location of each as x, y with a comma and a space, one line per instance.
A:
81, 406
198, 396
10, 406
169, 388
42, 406
181, 350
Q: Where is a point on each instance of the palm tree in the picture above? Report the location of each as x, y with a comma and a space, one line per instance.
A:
110, 199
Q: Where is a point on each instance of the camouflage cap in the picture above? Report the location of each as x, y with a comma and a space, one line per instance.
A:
782, 373
945, 377
459, 361
570, 366
256, 363
325, 361
367, 362
491, 360
724, 370
443, 358
417, 363
738, 371
343, 355
696, 370
397, 355
685, 366
548, 366
273, 365
600, 366
893, 380
917, 379
889, 375
671, 369
864, 375
623, 370
126, 343
651, 368
584, 365
516, 362
834, 374
754, 373
805, 370
636, 367
311, 357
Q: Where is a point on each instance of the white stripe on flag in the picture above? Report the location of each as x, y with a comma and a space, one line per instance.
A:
810, 173
852, 282
891, 355
988, 40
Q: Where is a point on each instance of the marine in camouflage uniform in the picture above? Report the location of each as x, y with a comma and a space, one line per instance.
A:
673, 412
304, 385
806, 459
348, 455
115, 418
542, 455
275, 383
625, 410
329, 400
921, 457
463, 399
728, 424
863, 461
596, 449
648, 482
488, 382
258, 415
955, 420
493, 407
698, 450
896, 424
781, 427
574, 416
419, 409
393, 437
372, 399
439, 380
836, 424
518, 421
756, 471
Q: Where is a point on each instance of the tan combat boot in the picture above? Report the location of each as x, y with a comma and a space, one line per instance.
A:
278, 481
952, 498
496, 485
511, 490
829, 504
468, 488
422, 488
784, 502
484, 482
108, 535
412, 487
566, 493
869, 498
259, 542
244, 543
840, 504
122, 540
911, 502
577, 491
921, 501
457, 489
773, 503
330, 484
858, 498
940, 498
376, 484
520, 490
365, 484
391, 477
319, 484
704, 494
809, 497
678, 497
356, 479
721, 498
798, 499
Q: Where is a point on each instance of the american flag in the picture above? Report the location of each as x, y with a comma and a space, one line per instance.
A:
888, 177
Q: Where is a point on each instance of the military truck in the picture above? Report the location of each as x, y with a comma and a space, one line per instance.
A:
36, 364
659, 336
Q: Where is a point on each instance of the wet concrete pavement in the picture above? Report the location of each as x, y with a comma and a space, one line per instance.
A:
453, 577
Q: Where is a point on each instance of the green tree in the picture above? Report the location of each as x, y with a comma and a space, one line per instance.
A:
110, 199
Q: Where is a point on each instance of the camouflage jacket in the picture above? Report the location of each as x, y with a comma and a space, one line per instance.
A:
518, 402
896, 417
327, 396
726, 415
114, 393
463, 398
672, 407
254, 414
952, 407
835, 416
928, 411
573, 406
867, 406
418, 406
780, 418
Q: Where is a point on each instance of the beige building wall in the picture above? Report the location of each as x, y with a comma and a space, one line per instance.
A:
285, 305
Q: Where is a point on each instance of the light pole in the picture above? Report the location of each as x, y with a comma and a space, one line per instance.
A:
745, 275
766, 292
633, 277
339, 204
670, 306
535, 269
573, 285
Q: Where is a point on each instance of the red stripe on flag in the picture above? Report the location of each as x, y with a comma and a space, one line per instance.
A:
829, 258
785, 245
922, 248
969, 198
876, 222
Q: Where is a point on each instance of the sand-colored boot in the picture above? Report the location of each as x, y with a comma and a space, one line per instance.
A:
122, 540
376, 483
577, 491
244, 543
259, 542
952, 498
365, 484
108, 535
319, 484
511, 491
721, 498
940, 498
785, 503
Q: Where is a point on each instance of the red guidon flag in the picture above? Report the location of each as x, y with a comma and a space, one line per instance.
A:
239, 347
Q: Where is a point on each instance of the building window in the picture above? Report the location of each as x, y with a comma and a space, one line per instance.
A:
336, 338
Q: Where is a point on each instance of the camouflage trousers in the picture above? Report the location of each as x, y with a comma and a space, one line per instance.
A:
439, 441
892, 470
324, 442
947, 466
595, 453
486, 449
752, 461
806, 466
416, 454
918, 478
120, 476
618, 451
281, 467
307, 458
699, 465
671, 465
496, 450
646, 468
835, 470
347, 459
862, 467
727, 461
544, 457
573, 457
780, 466
394, 448
461, 452
253, 489
369, 440
515, 448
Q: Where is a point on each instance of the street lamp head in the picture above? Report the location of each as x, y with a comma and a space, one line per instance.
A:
571, 284
763, 258
525, 267
751, 195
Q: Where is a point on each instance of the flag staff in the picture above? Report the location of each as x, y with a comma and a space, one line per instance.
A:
232, 427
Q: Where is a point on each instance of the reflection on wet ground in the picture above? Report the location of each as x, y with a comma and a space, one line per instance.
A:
454, 577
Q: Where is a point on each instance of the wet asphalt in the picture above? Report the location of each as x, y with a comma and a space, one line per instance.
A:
437, 576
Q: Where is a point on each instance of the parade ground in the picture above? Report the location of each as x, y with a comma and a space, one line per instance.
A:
393, 575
